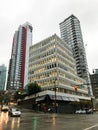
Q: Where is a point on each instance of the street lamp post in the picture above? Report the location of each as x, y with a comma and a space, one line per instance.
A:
55, 96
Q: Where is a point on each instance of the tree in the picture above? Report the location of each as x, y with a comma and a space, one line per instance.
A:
1, 98
33, 88
5, 97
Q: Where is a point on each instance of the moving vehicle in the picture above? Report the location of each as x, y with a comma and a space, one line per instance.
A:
4, 108
14, 112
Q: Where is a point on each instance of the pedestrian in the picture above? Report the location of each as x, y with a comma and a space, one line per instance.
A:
45, 109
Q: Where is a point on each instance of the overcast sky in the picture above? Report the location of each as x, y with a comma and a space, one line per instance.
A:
45, 16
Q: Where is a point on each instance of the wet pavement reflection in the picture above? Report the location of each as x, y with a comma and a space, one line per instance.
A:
6, 123
3, 120
28, 121
15, 123
46, 121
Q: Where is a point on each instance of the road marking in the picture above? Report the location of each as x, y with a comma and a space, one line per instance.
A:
91, 127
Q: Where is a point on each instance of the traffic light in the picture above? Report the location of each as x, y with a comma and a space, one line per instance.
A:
19, 92
76, 88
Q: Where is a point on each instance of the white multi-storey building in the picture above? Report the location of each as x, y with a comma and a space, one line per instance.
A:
51, 65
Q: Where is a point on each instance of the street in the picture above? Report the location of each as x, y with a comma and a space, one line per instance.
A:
30, 120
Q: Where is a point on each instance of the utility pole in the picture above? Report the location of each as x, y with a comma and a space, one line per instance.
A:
55, 96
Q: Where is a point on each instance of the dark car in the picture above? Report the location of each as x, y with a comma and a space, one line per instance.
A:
14, 112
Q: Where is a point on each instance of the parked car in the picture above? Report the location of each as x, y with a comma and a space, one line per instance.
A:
14, 112
95, 109
89, 111
50, 110
80, 112
4, 108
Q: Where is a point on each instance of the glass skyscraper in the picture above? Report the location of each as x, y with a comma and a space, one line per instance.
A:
2, 77
71, 33
18, 66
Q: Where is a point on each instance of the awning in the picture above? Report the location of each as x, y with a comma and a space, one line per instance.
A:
40, 98
59, 97
77, 99
65, 98
71, 99
52, 97
74, 99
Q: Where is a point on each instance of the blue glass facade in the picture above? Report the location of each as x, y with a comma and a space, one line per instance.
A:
2, 77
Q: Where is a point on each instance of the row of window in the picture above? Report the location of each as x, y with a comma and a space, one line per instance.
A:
36, 75
45, 43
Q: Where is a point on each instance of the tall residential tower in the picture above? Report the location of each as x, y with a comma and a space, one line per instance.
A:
18, 66
71, 33
94, 82
2, 77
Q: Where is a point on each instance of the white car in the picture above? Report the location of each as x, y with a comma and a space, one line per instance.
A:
4, 108
14, 112
89, 111
80, 111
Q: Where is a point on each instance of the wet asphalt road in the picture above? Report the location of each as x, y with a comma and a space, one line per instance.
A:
46, 121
